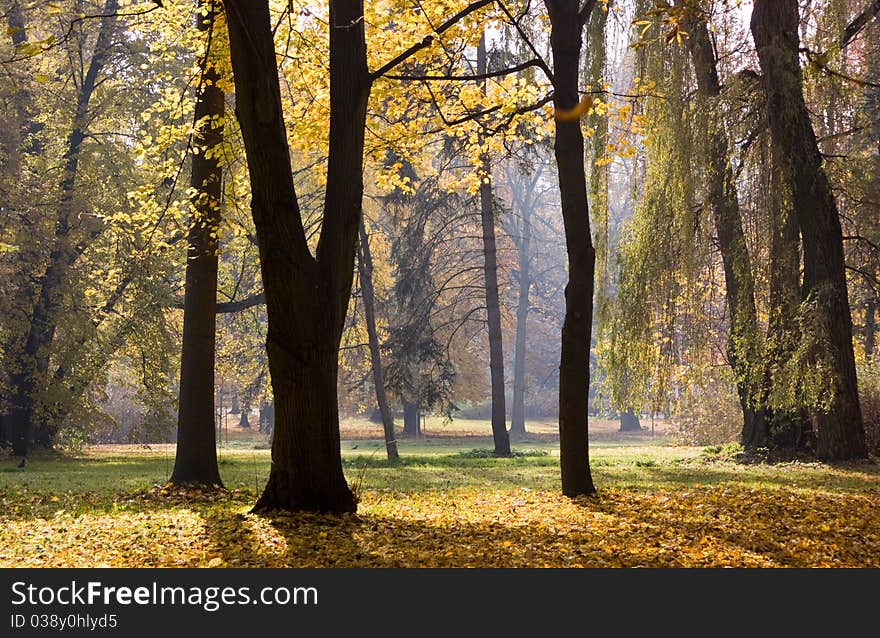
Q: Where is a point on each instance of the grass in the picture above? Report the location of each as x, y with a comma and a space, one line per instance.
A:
448, 502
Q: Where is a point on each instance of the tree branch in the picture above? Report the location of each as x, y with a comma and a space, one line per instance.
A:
429, 39
858, 23
474, 77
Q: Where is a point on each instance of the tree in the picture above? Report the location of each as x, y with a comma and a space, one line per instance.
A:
28, 372
490, 270
839, 428
196, 459
567, 21
743, 340
365, 270
306, 469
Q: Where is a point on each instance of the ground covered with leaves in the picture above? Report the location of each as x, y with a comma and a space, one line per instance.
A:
449, 506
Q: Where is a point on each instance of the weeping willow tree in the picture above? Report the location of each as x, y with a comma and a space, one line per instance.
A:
657, 345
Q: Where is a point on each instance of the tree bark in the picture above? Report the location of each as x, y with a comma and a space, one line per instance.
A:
196, 459
493, 307
574, 368
365, 268
774, 25
743, 347
302, 348
870, 328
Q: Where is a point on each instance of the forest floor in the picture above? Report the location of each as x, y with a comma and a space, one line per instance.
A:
448, 503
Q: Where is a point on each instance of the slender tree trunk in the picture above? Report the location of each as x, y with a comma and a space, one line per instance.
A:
744, 349
196, 460
518, 418
870, 328
774, 25
493, 307
574, 367
302, 349
365, 268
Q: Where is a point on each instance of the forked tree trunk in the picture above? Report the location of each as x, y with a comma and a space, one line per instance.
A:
196, 459
365, 269
306, 297
744, 348
774, 24
493, 307
574, 368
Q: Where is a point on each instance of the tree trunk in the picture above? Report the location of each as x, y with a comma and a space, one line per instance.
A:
774, 25
629, 422
306, 472
493, 308
744, 349
518, 418
574, 367
267, 417
411, 419
365, 268
870, 328
196, 460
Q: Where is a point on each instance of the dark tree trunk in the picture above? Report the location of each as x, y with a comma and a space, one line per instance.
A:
306, 297
629, 422
784, 428
365, 268
774, 24
267, 417
31, 372
243, 422
196, 460
493, 308
235, 408
574, 368
411, 419
518, 417
744, 349
870, 328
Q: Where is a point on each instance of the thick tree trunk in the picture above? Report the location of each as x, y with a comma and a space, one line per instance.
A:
493, 307
306, 297
774, 24
574, 367
783, 428
518, 418
196, 460
365, 268
243, 421
743, 343
411, 419
629, 422
267, 417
